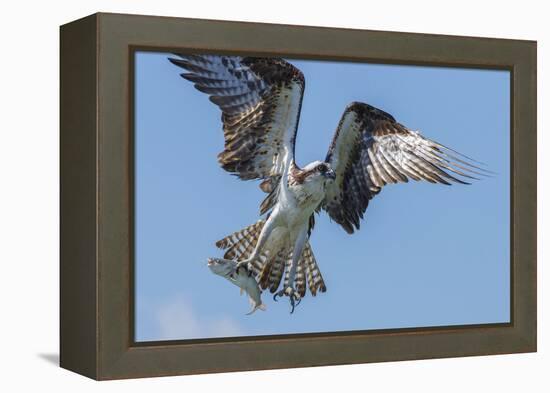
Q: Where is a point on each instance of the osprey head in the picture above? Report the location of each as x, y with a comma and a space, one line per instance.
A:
318, 171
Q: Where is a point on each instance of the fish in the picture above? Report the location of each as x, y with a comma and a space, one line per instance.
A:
241, 278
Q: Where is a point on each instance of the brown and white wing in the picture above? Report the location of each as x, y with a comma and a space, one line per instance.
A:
260, 100
370, 149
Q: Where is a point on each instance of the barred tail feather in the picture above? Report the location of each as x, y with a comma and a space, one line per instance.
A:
306, 271
268, 268
299, 278
271, 275
314, 278
240, 244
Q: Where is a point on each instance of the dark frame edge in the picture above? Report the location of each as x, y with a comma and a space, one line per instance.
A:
524, 195
78, 197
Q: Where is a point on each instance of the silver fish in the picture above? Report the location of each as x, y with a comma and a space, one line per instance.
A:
228, 270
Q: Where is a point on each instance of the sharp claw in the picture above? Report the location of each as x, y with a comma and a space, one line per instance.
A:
294, 300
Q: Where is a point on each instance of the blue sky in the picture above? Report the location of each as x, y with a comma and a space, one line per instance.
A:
426, 255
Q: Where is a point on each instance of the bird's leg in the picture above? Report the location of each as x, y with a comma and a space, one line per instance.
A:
288, 289
264, 235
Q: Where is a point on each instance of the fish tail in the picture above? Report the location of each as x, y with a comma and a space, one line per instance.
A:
260, 306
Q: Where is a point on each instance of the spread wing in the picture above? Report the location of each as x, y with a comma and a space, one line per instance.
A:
260, 100
370, 149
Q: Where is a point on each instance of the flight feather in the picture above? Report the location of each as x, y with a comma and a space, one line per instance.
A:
260, 100
370, 149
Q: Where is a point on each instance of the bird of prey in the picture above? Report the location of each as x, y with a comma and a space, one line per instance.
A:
260, 101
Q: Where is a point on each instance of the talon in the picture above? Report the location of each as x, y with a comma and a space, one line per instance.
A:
281, 293
292, 296
295, 300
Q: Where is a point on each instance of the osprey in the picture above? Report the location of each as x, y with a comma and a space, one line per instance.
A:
260, 100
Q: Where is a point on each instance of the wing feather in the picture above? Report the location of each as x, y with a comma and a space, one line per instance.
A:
371, 149
260, 100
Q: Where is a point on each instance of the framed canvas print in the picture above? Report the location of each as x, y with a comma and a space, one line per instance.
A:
371, 196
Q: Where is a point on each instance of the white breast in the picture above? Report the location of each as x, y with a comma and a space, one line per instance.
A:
299, 203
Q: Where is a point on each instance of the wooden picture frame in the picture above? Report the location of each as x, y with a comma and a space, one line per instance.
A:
96, 268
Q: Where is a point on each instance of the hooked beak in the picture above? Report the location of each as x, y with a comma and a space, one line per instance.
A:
330, 174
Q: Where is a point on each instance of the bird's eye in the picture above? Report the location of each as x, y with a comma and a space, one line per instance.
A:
322, 168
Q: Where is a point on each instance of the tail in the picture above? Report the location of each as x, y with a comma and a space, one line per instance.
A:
315, 280
240, 245
269, 269
306, 271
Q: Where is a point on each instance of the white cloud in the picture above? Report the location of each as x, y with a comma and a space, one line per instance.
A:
177, 319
